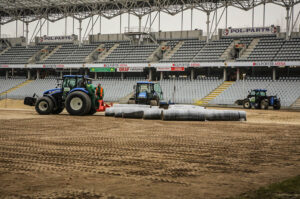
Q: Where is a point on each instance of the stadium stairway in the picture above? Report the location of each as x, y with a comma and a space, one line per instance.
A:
212, 95
90, 58
173, 51
152, 57
16, 87
104, 55
296, 104
45, 57
226, 53
3, 51
246, 53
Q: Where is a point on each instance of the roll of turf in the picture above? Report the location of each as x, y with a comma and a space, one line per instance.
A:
110, 112
243, 115
184, 106
136, 112
222, 115
152, 114
184, 115
131, 105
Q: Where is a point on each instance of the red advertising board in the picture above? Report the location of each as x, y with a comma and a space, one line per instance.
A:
177, 68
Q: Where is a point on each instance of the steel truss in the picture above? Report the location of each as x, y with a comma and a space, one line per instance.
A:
53, 10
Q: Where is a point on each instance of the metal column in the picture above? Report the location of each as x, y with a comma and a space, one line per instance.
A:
23, 31
207, 27
28, 74
192, 73
100, 25
182, 20
120, 23
47, 27
27, 31
140, 24
80, 29
287, 22
158, 21
95, 77
16, 28
253, 15
150, 17
237, 74
150, 74
66, 24
274, 74
292, 20
128, 22
191, 18
6, 74
37, 74
161, 75
40, 28
73, 31
225, 74
226, 15
264, 14
122, 75
92, 25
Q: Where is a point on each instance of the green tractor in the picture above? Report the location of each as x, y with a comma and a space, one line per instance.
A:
76, 94
258, 99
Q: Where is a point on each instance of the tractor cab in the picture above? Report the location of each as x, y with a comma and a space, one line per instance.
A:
147, 93
70, 82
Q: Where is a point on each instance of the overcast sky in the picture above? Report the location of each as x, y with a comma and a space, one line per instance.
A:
275, 15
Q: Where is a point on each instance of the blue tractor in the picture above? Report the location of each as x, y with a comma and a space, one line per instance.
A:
258, 99
76, 93
149, 93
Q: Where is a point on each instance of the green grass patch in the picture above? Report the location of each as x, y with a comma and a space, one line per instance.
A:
287, 189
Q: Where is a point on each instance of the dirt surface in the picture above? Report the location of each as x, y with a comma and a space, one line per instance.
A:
99, 157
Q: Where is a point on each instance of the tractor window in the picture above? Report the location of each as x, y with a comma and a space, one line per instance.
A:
252, 93
263, 94
158, 90
145, 88
69, 83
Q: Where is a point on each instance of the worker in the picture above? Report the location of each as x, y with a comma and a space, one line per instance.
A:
99, 92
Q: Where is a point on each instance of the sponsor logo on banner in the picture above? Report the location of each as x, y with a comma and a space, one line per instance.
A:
278, 63
249, 31
57, 39
163, 69
4, 66
128, 69
194, 64
177, 68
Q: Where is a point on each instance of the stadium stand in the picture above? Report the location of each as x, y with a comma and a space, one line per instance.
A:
290, 51
6, 84
213, 51
19, 54
188, 91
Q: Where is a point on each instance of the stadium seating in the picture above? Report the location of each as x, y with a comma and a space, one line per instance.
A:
6, 84
187, 91
213, 51
128, 53
19, 54
287, 90
38, 86
290, 51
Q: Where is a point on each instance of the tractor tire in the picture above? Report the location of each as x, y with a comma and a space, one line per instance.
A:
153, 103
264, 104
247, 104
78, 103
58, 110
277, 106
44, 106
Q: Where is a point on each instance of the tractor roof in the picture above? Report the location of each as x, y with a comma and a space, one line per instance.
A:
260, 90
145, 82
76, 76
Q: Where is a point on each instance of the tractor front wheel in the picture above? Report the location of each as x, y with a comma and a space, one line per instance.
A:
277, 106
247, 104
44, 106
78, 103
153, 103
264, 104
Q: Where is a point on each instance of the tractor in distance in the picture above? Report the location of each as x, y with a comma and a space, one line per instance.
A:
76, 93
147, 92
258, 99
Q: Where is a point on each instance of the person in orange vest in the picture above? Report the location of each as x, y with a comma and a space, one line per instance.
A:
99, 92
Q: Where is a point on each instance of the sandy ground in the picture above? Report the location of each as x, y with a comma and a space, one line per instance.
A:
99, 157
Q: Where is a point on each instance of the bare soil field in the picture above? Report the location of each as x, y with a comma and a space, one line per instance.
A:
62, 156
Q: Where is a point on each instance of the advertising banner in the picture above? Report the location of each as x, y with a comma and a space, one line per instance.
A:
106, 69
249, 31
128, 69
57, 39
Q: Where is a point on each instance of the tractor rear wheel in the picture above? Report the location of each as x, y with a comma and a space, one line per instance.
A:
44, 106
264, 104
78, 103
247, 104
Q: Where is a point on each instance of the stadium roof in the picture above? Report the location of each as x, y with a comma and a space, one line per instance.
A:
53, 10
